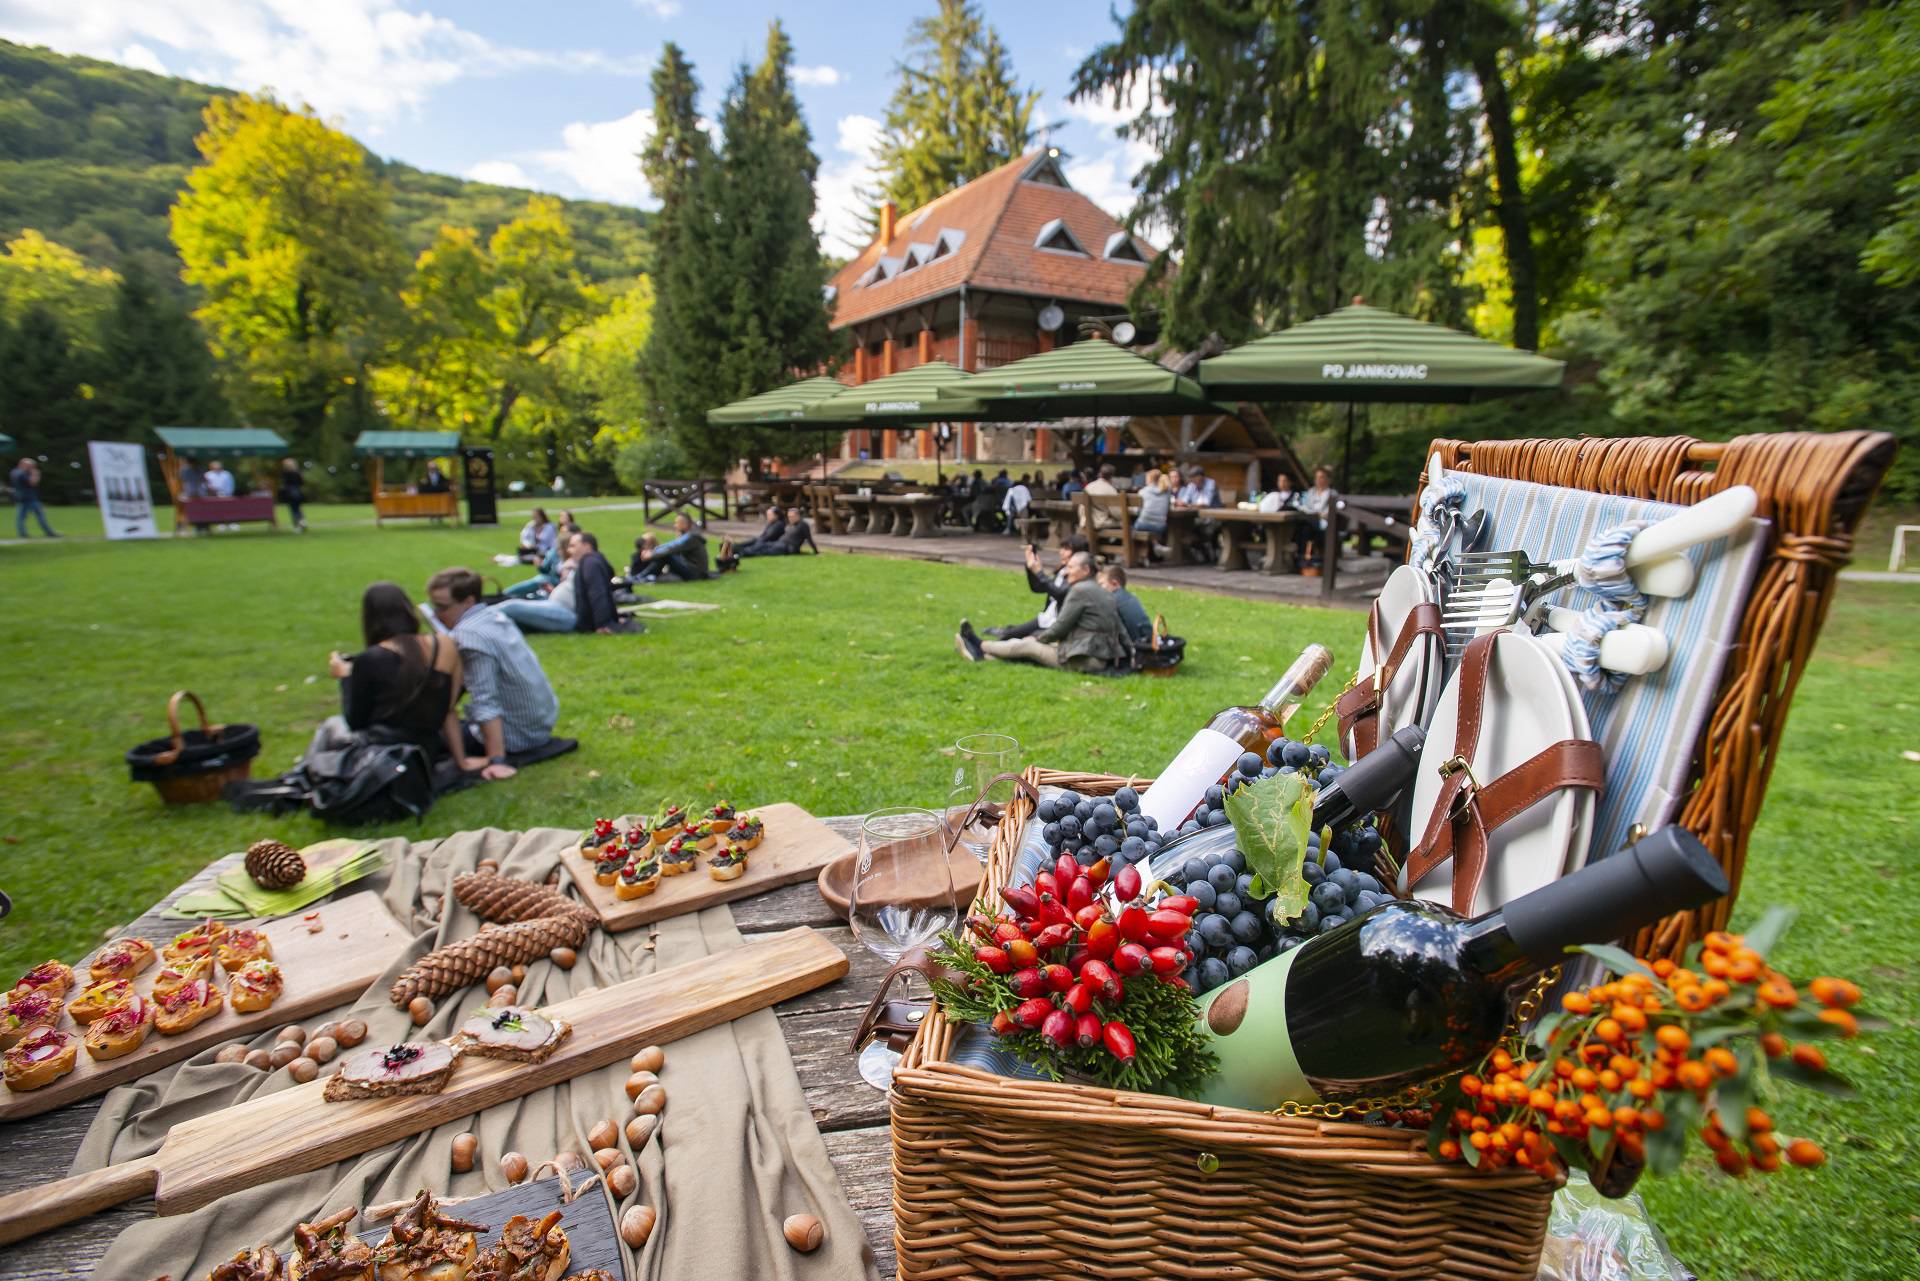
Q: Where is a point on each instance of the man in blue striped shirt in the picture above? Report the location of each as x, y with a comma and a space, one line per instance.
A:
512, 706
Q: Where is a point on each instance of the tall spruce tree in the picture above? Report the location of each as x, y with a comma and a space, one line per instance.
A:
41, 403
769, 255
957, 110
155, 368
679, 365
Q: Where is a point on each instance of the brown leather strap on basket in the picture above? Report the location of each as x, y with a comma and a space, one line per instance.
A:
1359, 707
893, 1018
1467, 810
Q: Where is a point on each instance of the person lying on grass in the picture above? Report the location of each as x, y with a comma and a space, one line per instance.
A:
1087, 636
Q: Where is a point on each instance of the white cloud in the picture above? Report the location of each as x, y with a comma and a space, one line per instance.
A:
821, 75
501, 173
602, 158
658, 8
842, 176
141, 58
1104, 110
363, 61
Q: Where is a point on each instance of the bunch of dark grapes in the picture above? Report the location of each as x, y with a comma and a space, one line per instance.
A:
1095, 827
1233, 931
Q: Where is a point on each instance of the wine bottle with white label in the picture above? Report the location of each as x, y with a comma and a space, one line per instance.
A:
1410, 991
1177, 789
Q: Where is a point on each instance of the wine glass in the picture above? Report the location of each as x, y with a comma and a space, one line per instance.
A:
977, 759
901, 898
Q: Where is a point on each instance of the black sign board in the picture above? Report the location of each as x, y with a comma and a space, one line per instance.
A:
481, 509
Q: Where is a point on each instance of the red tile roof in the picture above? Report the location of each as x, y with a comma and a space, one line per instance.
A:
999, 216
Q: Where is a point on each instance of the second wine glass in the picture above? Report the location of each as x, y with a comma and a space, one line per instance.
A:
901, 898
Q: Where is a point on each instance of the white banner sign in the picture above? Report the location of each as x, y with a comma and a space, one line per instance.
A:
120, 483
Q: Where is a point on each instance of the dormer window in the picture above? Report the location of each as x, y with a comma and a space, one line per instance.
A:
1046, 171
1058, 238
949, 240
885, 269
1121, 248
918, 254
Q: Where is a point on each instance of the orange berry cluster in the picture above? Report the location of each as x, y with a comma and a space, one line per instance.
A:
1620, 1053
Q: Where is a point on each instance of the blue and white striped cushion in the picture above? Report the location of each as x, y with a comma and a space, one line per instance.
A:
1646, 730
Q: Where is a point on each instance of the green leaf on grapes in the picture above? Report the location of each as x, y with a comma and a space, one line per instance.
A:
1773, 923
1619, 960
1270, 818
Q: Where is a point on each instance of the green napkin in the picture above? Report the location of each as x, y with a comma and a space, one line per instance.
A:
235, 895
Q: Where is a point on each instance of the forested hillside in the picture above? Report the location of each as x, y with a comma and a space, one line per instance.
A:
93, 154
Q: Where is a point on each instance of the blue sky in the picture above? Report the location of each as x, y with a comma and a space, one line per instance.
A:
554, 96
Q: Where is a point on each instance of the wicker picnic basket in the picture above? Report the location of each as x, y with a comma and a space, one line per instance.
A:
1003, 1178
189, 767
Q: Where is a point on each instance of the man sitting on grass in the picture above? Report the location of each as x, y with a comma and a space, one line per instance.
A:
684, 556
794, 535
1052, 586
1133, 615
1087, 637
511, 706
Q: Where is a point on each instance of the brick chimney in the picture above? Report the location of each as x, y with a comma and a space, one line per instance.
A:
887, 214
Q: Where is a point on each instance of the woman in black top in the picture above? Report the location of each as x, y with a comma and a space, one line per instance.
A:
403, 687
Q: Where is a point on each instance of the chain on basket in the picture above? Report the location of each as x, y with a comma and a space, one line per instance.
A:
1326, 715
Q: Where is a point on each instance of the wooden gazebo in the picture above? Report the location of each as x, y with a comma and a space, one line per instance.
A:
411, 501
203, 444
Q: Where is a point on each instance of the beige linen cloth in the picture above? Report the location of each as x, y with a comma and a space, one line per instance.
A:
737, 1151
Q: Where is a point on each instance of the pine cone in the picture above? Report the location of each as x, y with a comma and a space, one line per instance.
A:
450, 968
492, 897
275, 866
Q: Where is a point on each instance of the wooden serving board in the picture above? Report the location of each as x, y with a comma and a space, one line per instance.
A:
296, 1130
797, 846
358, 939
592, 1238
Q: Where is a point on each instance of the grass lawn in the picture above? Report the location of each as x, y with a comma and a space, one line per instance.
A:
832, 682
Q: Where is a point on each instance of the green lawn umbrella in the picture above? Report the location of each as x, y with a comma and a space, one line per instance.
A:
1362, 353
1090, 379
786, 404
911, 398
407, 444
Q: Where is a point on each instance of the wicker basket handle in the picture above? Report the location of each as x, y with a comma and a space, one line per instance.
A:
981, 805
918, 961
1159, 630
172, 754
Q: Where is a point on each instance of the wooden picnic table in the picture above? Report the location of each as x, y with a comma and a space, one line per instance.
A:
914, 515
1240, 530
851, 1114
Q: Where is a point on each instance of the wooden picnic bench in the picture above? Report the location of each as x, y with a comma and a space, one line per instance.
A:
1240, 531
852, 1115
694, 497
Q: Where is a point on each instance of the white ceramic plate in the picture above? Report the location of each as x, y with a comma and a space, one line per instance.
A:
1409, 699
1530, 705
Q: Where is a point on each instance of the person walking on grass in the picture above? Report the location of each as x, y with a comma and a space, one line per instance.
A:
293, 493
25, 479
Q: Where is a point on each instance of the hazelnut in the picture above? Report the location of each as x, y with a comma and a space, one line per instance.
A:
420, 1010
519, 974
640, 1081
636, 1225
303, 1069
283, 1054
621, 1181
564, 957
569, 1162
351, 1033
235, 1053
498, 977
322, 1048
803, 1232
651, 1059
503, 997
487, 865
262, 1059
514, 1166
607, 1158
650, 1101
291, 1032
329, 1028
640, 1129
465, 1145
604, 1134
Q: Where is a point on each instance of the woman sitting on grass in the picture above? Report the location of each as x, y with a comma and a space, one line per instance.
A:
403, 687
